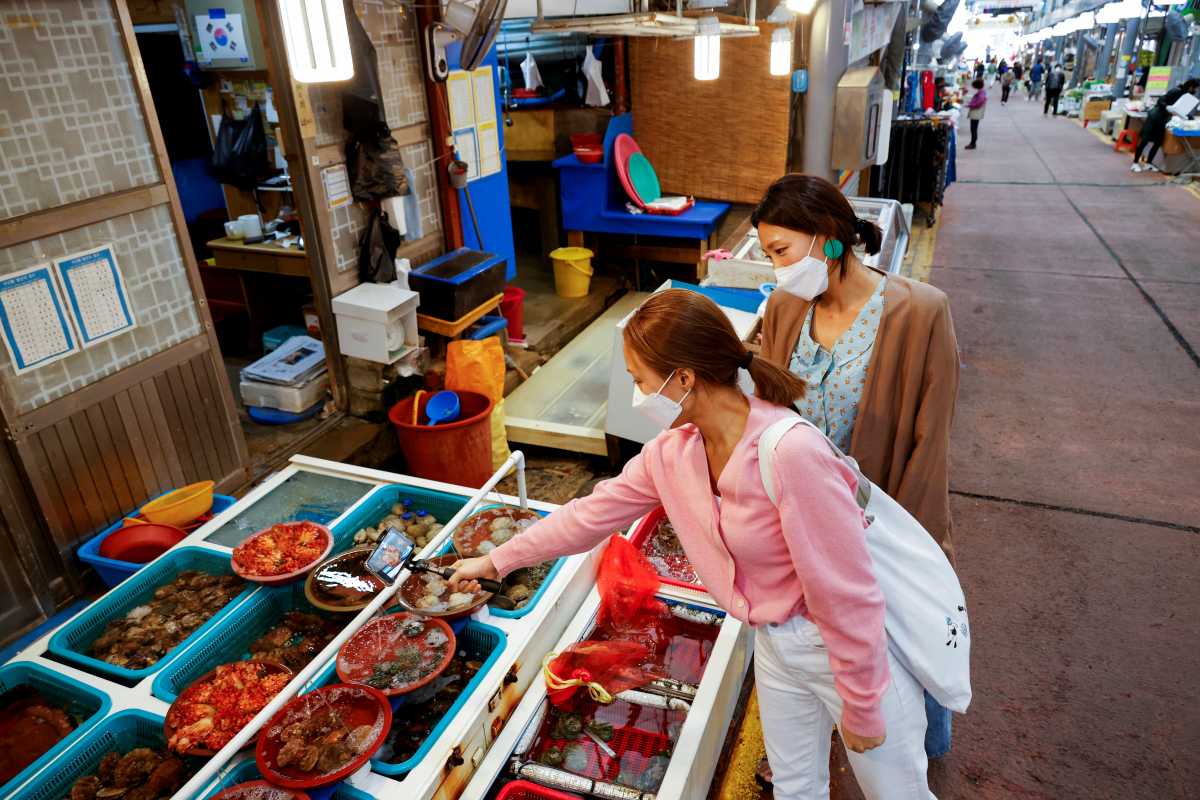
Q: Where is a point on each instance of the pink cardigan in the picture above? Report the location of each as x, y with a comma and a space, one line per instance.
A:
761, 563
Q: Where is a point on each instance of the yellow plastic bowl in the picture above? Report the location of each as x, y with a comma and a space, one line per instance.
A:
181, 506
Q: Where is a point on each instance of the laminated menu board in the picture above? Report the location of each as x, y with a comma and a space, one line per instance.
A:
33, 319
95, 294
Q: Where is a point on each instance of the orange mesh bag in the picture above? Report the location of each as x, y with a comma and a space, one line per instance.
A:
609, 663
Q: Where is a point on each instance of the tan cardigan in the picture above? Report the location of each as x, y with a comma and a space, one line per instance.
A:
901, 436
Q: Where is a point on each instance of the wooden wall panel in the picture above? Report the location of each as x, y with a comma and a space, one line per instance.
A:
719, 140
111, 455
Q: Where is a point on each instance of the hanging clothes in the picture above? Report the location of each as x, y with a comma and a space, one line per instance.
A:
927, 89
597, 94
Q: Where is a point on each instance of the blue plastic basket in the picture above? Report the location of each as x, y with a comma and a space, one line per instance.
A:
480, 642
537, 596
77, 699
71, 641
378, 504
230, 639
112, 571
121, 732
248, 771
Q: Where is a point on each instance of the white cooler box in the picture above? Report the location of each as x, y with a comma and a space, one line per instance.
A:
377, 322
293, 399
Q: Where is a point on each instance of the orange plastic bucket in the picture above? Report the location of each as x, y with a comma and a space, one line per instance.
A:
457, 452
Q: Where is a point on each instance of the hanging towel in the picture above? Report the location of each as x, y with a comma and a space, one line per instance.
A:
529, 68
593, 70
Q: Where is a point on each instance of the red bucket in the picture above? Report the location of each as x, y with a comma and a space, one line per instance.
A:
458, 452
513, 309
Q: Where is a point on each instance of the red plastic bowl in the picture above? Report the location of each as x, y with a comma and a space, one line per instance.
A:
588, 147
284, 577
260, 790
589, 155
357, 705
140, 544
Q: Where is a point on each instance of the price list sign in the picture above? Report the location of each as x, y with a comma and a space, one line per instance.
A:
33, 319
95, 294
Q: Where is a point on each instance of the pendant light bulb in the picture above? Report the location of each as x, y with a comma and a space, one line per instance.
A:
781, 51
706, 64
318, 43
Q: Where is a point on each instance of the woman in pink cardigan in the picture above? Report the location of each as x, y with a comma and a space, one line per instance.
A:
799, 573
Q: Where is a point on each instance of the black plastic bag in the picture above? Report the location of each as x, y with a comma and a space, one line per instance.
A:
240, 154
376, 168
377, 250
362, 96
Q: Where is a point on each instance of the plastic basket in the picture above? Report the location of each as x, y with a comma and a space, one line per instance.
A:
112, 571
122, 732
230, 639
248, 771
634, 748
640, 537
71, 641
533, 601
378, 504
86, 702
524, 790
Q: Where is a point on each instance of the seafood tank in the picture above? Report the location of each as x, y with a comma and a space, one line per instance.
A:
303, 496
655, 537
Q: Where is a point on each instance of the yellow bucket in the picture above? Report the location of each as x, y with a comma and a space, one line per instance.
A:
572, 271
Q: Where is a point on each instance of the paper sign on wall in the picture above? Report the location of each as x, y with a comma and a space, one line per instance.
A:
34, 320
220, 36
472, 97
337, 185
462, 100
489, 149
95, 294
465, 144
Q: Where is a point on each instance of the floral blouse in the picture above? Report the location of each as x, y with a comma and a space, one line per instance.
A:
834, 380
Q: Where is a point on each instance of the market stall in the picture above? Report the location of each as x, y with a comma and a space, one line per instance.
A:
429, 747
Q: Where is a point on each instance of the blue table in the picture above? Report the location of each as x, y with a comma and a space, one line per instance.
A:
593, 201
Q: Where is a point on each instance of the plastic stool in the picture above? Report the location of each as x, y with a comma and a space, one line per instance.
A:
1126, 140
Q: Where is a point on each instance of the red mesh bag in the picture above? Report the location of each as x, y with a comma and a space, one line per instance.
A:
614, 659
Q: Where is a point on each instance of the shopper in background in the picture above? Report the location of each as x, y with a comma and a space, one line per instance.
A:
976, 107
1035, 79
1054, 87
1154, 129
877, 352
798, 572
991, 71
978, 68
1018, 71
1006, 82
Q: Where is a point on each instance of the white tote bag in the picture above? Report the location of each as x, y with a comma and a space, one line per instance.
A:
926, 614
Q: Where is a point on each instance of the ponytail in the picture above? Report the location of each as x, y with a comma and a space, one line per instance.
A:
677, 328
868, 235
774, 384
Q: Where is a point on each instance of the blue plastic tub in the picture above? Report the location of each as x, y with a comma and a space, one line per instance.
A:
72, 640
79, 701
248, 771
378, 504
481, 642
121, 732
230, 639
533, 601
112, 571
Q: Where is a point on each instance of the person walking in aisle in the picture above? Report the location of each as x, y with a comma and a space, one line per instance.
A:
1035, 79
978, 68
1018, 72
1006, 83
1154, 129
1054, 87
975, 110
991, 72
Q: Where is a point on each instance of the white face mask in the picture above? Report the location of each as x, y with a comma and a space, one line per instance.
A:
658, 408
807, 278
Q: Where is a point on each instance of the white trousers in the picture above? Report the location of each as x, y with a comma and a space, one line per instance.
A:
799, 707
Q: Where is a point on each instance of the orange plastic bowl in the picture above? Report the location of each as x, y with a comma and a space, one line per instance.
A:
141, 543
181, 506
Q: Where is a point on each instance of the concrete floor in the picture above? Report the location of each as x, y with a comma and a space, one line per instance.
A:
1075, 459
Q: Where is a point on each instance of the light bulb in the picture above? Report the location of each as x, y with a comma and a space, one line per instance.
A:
707, 50
318, 44
781, 51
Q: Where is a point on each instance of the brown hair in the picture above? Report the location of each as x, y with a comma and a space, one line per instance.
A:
816, 207
681, 329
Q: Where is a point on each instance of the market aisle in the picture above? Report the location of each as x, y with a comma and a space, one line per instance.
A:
1075, 287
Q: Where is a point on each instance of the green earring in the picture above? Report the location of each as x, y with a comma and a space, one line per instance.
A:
833, 249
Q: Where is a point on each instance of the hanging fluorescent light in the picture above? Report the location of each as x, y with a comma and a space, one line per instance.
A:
801, 6
706, 64
318, 44
781, 51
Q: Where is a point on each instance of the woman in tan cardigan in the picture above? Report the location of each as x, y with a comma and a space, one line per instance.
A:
877, 353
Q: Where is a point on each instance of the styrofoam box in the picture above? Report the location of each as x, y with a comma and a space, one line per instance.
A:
285, 398
376, 321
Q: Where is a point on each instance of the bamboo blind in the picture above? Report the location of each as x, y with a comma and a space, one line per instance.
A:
723, 140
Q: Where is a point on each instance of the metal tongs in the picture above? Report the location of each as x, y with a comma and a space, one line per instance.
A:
498, 598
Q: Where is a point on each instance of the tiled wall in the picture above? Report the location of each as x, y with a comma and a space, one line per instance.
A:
70, 124
393, 31
152, 266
